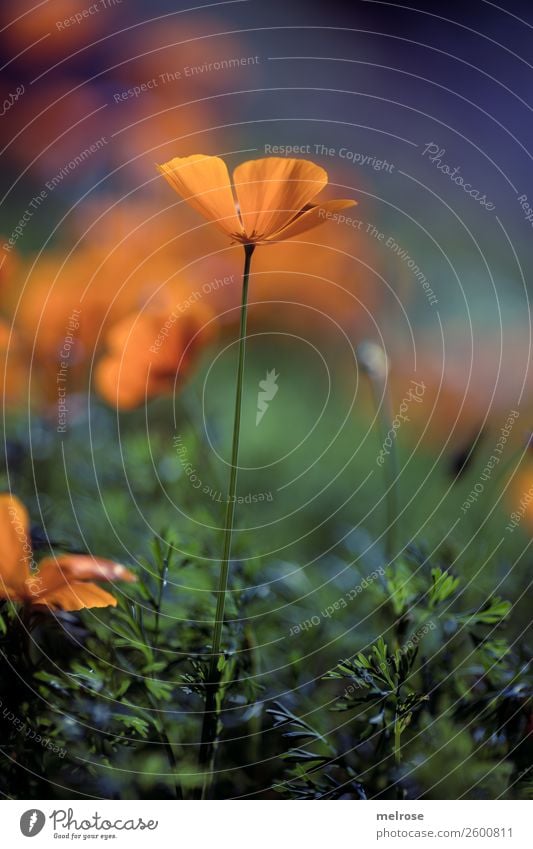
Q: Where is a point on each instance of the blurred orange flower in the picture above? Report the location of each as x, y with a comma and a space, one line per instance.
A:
52, 30
520, 499
9, 263
62, 583
273, 195
61, 306
151, 352
13, 368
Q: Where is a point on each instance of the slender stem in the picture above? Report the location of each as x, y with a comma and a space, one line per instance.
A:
397, 731
167, 745
163, 571
230, 506
25, 624
210, 718
380, 392
397, 743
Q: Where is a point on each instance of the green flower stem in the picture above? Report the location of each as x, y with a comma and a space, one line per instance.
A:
230, 507
211, 711
397, 742
390, 467
374, 362
397, 730
167, 745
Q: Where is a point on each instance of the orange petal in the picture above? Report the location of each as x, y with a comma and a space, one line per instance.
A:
273, 190
15, 553
203, 181
77, 595
312, 217
57, 572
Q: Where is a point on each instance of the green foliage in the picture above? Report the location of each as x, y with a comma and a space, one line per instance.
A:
342, 676
400, 699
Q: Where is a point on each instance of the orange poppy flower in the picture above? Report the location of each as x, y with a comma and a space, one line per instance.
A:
272, 195
150, 353
61, 583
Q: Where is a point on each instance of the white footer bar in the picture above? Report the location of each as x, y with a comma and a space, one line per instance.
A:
267, 824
